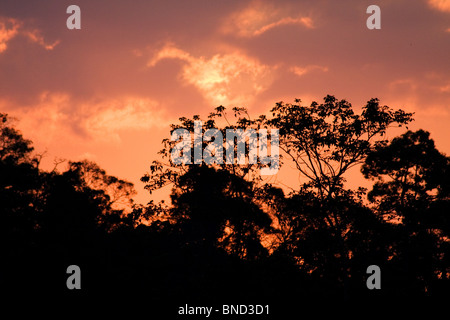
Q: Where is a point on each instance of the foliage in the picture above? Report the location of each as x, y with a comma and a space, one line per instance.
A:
325, 140
227, 231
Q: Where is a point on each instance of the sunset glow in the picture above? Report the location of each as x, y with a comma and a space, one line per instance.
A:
109, 91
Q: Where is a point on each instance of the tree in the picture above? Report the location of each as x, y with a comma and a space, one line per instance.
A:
326, 226
13, 147
226, 232
20, 182
215, 203
85, 198
409, 172
325, 140
217, 208
323, 229
412, 188
166, 172
48, 219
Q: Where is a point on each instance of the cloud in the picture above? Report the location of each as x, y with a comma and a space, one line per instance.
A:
441, 5
11, 28
88, 156
260, 17
305, 21
106, 119
222, 79
56, 116
427, 95
300, 71
169, 51
36, 37
445, 88
406, 84
8, 30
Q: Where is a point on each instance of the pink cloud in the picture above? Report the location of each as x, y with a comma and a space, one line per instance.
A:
441, 5
36, 37
231, 78
300, 71
305, 21
11, 28
260, 17
57, 115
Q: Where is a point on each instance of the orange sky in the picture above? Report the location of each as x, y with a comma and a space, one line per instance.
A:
109, 91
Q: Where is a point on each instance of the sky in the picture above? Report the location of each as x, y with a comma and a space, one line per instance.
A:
109, 91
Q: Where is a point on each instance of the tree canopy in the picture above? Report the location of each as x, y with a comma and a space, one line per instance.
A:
226, 230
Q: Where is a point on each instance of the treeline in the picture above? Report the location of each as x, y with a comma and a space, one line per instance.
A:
229, 235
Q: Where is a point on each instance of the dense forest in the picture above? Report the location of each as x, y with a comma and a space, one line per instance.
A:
227, 234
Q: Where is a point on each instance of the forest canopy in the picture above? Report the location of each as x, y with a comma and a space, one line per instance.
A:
225, 229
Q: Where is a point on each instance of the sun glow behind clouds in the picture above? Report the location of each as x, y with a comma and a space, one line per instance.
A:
231, 78
442, 5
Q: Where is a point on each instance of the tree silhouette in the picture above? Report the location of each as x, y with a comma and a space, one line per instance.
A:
324, 233
328, 227
50, 219
412, 186
411, 174
217, 208
325, 140
228, 234
19, 183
